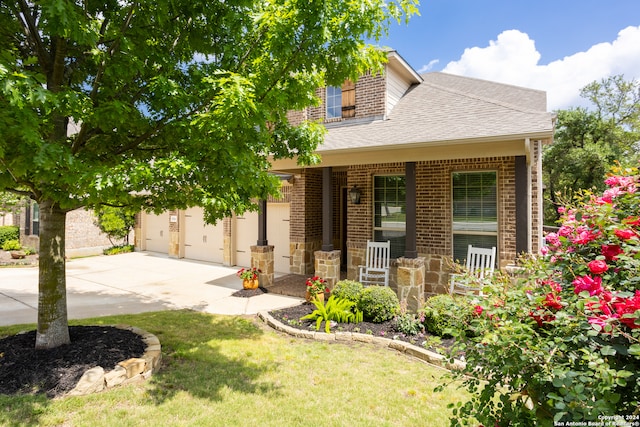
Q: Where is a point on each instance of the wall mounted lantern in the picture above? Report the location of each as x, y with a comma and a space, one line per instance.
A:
354, 195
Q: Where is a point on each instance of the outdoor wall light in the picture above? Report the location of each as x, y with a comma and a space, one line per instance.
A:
354, 195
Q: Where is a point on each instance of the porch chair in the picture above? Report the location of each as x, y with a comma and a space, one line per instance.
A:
376, 270
480, 263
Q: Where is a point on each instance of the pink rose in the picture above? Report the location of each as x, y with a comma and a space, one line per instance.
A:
478, 310
598, 266
593, 285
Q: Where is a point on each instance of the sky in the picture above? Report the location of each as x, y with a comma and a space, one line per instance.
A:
558, 46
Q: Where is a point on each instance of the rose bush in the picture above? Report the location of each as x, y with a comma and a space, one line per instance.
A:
563, 342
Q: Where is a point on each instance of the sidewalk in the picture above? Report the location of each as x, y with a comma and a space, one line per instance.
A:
134, 283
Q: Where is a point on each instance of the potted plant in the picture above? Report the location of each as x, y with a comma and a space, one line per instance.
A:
249, 277
316, 287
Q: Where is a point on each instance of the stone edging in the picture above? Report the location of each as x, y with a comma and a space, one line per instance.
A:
135, 369
401, 346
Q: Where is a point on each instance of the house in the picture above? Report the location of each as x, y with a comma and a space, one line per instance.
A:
430, 162
82, 236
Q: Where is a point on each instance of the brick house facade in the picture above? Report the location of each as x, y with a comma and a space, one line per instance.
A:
438, 127
491, 127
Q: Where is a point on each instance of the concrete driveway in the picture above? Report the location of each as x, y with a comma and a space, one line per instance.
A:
134, 283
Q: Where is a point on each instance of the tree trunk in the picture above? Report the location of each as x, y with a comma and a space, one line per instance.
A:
53, 328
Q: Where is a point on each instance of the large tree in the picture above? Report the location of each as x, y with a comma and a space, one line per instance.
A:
588, 142
164, 104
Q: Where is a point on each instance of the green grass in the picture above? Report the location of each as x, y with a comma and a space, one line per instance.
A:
235, 371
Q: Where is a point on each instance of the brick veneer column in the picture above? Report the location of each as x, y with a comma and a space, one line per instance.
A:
327, 266
411, 282
262, 259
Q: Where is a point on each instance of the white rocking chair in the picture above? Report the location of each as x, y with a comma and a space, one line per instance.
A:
376, 270
480, 263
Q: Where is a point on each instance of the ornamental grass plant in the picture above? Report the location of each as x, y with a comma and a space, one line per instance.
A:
562, 344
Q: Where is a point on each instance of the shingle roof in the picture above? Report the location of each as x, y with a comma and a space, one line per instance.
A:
449, 108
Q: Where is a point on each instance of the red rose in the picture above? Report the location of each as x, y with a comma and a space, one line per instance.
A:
611, 252
625, 234
598, 266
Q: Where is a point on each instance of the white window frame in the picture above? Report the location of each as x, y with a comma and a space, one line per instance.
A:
333, 102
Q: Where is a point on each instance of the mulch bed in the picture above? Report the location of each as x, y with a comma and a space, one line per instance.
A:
248, 293
25, 370
291, 317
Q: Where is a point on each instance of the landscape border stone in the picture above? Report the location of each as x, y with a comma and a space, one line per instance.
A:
400, 346
127, 371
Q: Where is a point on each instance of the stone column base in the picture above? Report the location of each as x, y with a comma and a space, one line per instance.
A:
411, 282
327, 266
262, 259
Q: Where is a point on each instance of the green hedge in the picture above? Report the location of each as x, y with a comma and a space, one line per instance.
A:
9, 232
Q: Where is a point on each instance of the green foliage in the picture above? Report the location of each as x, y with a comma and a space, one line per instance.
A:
409, 323
587, 142
167, 104
563, 344
348, 289
379, 304
339, 310
121, 249
9, 232
445, 315
116, 223
11, 245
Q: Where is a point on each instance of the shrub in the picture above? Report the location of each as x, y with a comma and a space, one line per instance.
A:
116, 223
445, 315
348, 289
9, 232
11, 245
121, 249
378, 304
564, 344
408, 323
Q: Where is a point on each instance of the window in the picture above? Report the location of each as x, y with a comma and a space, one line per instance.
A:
475, 211
389, 217
334, 102
35, 220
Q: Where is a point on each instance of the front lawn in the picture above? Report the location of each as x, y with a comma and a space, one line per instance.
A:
235, 371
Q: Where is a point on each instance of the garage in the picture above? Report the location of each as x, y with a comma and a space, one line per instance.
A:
157, 232
202, 241
245, 233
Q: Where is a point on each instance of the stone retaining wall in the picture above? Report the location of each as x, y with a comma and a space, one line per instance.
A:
401, 346
136, 369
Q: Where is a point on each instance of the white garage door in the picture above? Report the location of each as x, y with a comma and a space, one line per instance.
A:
202, 241
157, 232
246, 235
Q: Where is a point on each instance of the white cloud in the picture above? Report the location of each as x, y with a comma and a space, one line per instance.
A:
429, 66
513, 59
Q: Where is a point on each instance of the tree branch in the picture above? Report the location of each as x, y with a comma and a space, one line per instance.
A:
30, 28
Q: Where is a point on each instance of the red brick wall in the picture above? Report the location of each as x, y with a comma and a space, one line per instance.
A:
370, 101
433, 204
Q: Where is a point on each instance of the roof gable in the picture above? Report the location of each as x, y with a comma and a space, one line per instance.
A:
450, 108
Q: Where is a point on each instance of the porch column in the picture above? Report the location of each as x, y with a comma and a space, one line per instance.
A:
327, 260
523, 226
327, 209
410, 239
262, 253
262, 224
